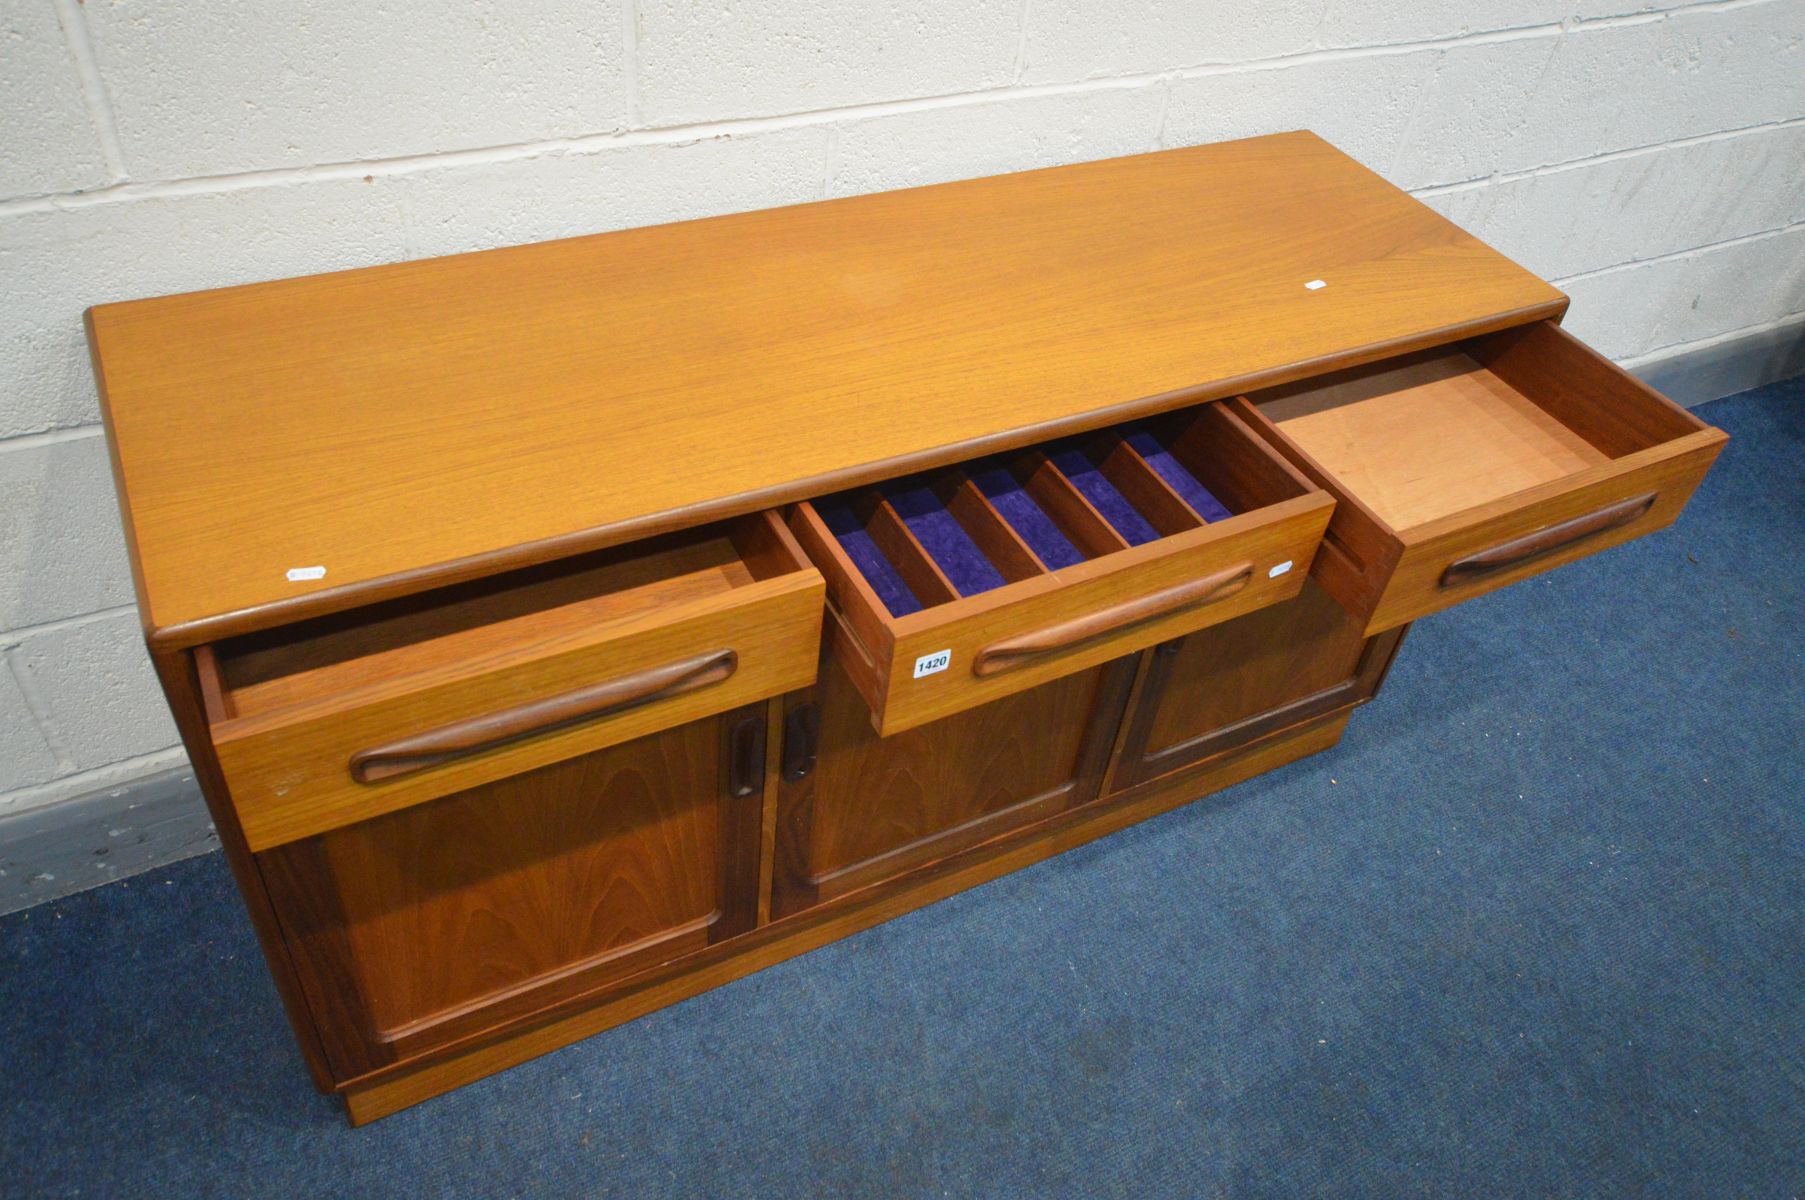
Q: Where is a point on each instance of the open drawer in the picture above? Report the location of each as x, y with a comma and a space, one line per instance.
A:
950, 589
1461, 469
346, 717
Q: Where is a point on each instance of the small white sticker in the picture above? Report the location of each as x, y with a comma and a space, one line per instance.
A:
302, 574
1279, 570
933, 664
1316, 285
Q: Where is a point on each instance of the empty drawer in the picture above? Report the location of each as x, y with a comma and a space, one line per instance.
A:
346, 717
1465, 468
956, 587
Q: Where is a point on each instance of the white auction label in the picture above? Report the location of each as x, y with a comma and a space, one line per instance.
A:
302, 574
1279, 570
933, 664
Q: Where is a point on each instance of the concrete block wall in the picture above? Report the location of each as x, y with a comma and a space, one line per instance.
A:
1647, 156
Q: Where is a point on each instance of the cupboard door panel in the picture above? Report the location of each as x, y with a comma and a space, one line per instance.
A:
453, 916
872, 807
1219, 688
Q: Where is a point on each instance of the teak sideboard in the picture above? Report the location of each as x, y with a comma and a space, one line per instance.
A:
563, 630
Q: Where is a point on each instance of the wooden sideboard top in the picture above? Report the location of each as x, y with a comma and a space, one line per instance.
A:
411, 425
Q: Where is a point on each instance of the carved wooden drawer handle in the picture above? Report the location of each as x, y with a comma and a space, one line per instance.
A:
1015, 652
1545, 541
478, 734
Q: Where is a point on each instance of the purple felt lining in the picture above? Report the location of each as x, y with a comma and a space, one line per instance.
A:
843, 523
1202, 501
1096, 487
1025, 516
945, 540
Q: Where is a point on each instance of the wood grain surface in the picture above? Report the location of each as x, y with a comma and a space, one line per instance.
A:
410, 425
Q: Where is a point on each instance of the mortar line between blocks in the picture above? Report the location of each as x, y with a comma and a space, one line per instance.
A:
830, 160
629, 68
13, 636
1674, 349
1021, 41
39, 709
1672, 255
93, 88
49, 437
1591, 160
402, 165
1165, 114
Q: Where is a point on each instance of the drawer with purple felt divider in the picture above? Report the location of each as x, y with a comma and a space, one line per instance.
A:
947, 542
951, 532
1090, 481
1166, 465
855, 537
1010, 498
964, 583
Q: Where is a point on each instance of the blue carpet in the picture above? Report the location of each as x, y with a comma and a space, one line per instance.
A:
1536, 928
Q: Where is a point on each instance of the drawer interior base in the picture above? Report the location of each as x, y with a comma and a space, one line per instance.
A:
1421, 438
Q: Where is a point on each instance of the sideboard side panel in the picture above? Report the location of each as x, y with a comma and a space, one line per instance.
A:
181, 686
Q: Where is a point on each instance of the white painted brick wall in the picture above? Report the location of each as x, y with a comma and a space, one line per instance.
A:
935, 145
61, 550
207, 89
1662, 201
1375, 100
472, 206
25, 757
1648, 155
721, 62
1689, 297
1063, 40
47, 141
92, 681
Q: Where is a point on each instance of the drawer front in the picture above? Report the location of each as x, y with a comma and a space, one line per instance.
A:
1476, 553
301, 770
954, 590
1463, 470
